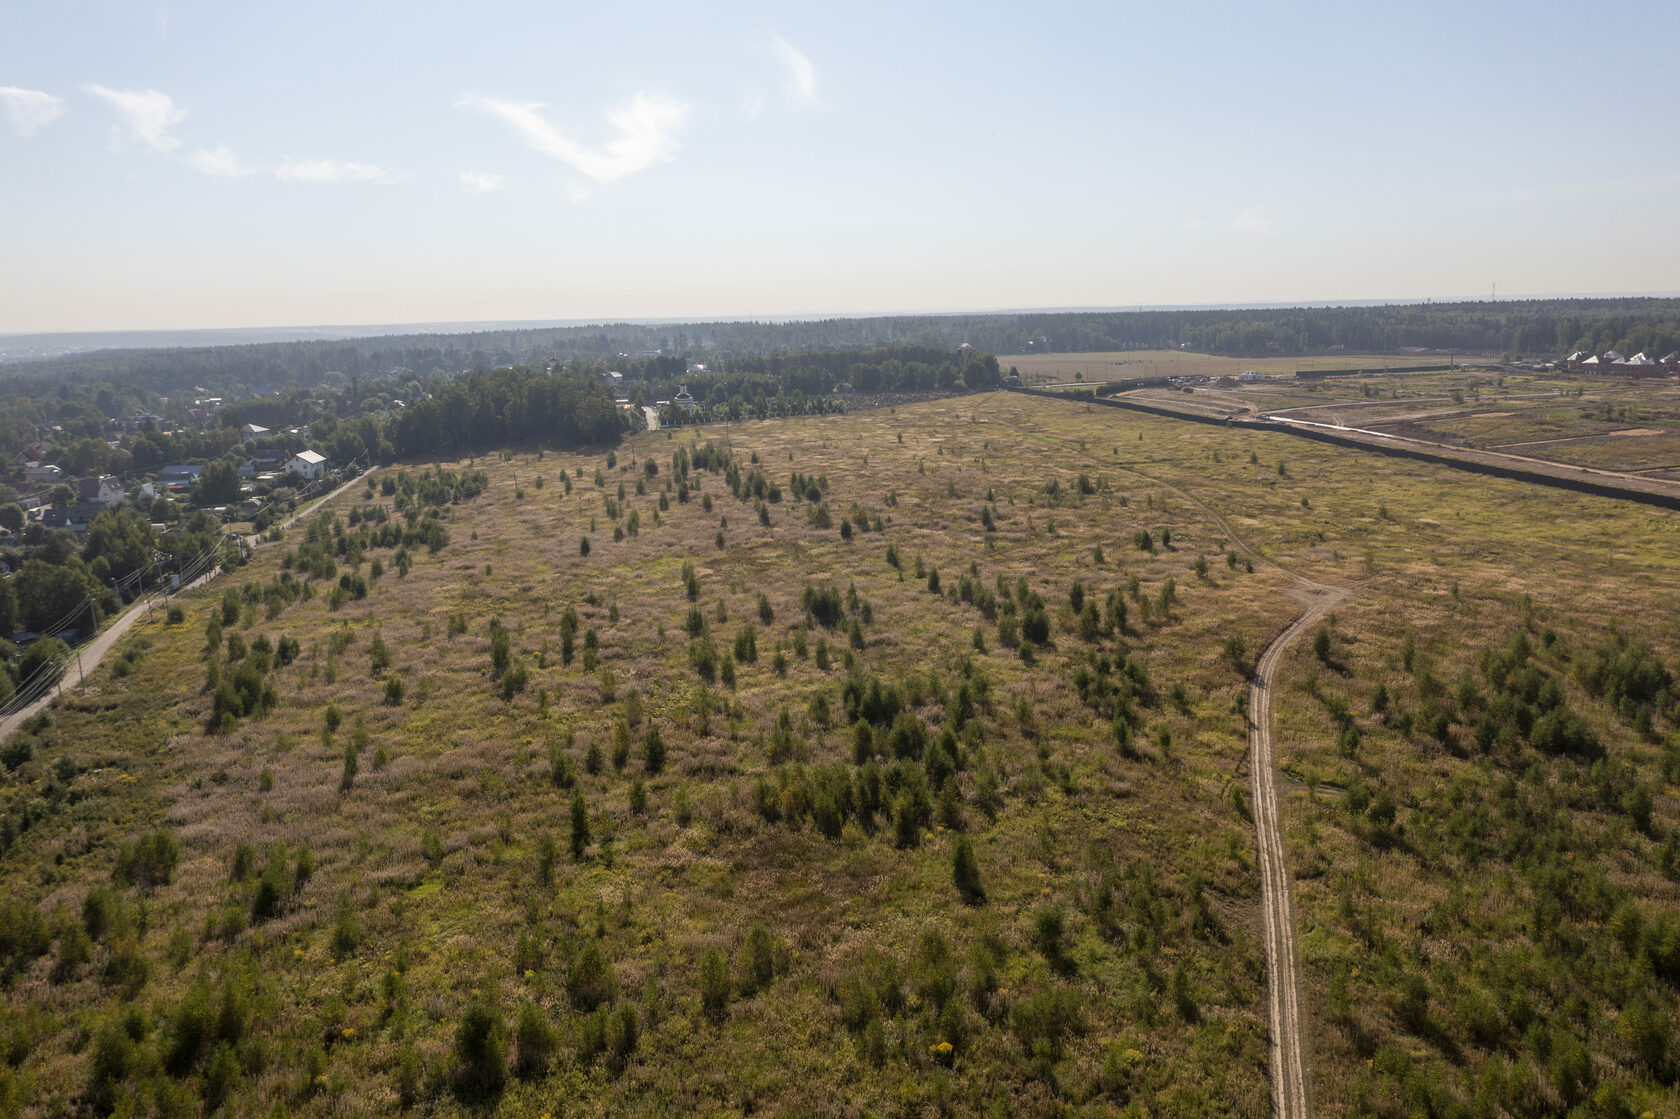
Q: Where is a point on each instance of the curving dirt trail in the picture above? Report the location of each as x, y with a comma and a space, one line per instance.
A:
1289, 1081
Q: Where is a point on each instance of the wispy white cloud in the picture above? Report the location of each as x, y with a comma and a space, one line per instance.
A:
146, 114
801, 75
647, 134
1252, 221
221, 162
30, 109
481, 182
334, 171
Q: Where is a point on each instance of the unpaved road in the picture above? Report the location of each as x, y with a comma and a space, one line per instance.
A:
1288, 1063
1289, 1081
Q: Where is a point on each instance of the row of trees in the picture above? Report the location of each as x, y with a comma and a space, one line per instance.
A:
508, 406
1549, 326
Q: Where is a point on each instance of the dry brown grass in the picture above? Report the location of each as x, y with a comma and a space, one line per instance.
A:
467, 770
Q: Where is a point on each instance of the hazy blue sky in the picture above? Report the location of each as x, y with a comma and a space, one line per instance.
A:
231, 164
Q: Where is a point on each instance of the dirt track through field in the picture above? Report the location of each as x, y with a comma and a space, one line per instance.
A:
1288, 1062
1289, 1082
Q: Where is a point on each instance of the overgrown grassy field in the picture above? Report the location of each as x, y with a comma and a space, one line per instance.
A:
1139, 363
1126, 365
1610, 424
521, 829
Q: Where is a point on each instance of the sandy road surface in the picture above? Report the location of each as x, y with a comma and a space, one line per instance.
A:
1288, 1063
1289, 1082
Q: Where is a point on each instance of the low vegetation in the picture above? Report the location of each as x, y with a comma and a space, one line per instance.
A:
736, 811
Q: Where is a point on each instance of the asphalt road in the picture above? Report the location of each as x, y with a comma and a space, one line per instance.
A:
84, 660
87, 658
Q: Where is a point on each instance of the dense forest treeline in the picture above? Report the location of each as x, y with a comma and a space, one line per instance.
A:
1548, 328
508, 406
406, 413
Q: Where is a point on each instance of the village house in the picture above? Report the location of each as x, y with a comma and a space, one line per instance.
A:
1614, 364
103, 490
177, 478
308, 465
74, 517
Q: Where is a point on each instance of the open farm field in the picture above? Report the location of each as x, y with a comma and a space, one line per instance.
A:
1128, 365
1636, 449
885, 763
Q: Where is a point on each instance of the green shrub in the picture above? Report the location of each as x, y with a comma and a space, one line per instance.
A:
580, 823
114, 1057
714, 982
623, 1033
148, 861
589, 980
653, 750
965, 871
480, 1050
757, 963
534, 1042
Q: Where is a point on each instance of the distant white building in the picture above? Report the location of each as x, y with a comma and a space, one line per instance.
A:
103, 490
696, 367
44, 474
253, 431
308, 465
683, 400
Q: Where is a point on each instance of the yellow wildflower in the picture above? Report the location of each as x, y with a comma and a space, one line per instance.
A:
942, 1048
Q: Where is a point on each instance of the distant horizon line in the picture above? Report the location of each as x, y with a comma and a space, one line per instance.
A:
351, 331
